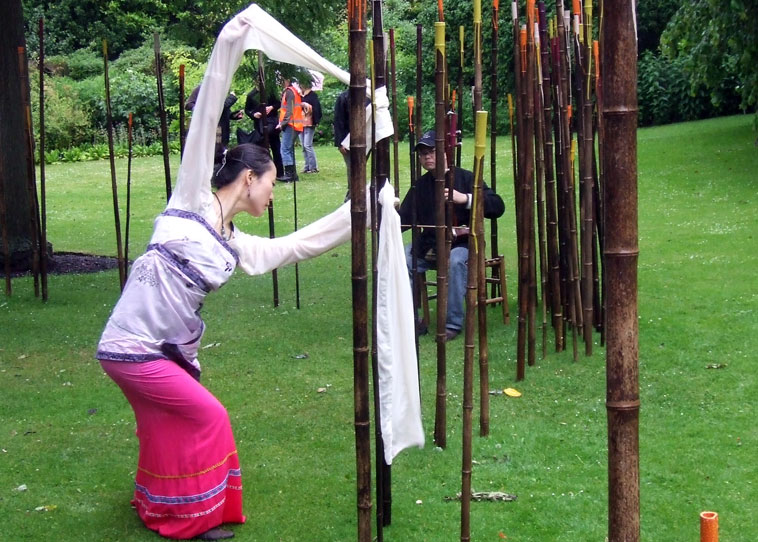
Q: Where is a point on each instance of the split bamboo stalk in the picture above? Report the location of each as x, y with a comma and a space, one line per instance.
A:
475, 245
31, 183
182, 120
440, 422
599, 211
264, 125
618, 47
395, 137
128, 193
42, 186
162, 112
357, 54
111, 154
477, 225
550, 200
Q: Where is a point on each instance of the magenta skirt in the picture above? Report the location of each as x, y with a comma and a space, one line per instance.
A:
188, 475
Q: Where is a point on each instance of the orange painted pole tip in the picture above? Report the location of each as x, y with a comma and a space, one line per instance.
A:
709, 527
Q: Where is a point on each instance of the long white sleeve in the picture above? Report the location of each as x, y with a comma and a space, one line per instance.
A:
258, 255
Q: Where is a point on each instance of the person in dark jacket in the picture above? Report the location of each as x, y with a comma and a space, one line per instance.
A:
256, 111
227, 115
311, 118
341, 125
424, 250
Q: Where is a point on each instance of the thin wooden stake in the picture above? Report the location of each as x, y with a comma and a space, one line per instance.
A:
42, 184
111, 155
128, 192
162, 112
182, 120
396, 136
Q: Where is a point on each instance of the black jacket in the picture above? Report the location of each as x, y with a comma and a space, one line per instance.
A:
341, 117
312, 98
425, 208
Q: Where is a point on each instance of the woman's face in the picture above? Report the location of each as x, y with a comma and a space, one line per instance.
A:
261, 191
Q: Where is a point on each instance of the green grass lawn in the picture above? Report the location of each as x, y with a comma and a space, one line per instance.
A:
67, 433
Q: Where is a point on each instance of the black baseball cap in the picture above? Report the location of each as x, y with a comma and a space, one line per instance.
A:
427, 139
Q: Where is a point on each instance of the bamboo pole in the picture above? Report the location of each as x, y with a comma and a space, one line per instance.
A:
459, 145
111, 154
440, 423
519, 69
493, 139
419, 87
475, 245
162, 112
618, 47
539, 152
128, 193
477, 220
31, 183
42, 184
182, 120
709, 527
529, 182
381, 153
357, 93
550, 200
264, 124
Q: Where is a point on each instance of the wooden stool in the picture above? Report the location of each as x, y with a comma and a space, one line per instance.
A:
497, 279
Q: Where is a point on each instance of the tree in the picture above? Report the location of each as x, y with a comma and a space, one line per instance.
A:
14, 171
717, 39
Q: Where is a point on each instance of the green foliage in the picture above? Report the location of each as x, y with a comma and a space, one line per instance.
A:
718, 42
67, 121
80, 64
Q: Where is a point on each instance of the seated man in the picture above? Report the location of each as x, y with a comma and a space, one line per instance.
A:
423, 252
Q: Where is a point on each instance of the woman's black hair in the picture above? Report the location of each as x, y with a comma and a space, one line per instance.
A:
230, 162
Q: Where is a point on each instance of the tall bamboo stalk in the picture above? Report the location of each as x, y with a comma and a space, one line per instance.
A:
459, 146
111, 155
182, 120
550, 199
381, 153
419, 92
475, 246
539, 152
618, 46
128, 193
440, 423
477, 221
31, 182
162, 112
519, 69
357, 54
494, 96
528, 180
42, 186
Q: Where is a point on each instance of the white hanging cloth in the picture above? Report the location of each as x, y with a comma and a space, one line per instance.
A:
400, 405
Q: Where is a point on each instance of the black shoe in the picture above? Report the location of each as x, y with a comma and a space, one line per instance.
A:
451, 334
291, 173
215, 534
421, 328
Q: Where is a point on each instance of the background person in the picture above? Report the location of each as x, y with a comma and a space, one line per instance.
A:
290, 124
256, 111
311, 118
424, 251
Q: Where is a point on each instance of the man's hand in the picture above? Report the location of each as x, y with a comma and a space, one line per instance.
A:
459, 198
269, 109
343, 150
